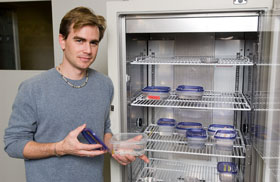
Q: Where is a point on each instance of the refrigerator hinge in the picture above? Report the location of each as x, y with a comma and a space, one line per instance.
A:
248, 162
240, 1
248, 157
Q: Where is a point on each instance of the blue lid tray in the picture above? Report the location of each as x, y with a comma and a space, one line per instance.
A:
227, 167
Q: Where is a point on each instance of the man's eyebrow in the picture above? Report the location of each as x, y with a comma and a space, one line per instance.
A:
83, 39
77, 37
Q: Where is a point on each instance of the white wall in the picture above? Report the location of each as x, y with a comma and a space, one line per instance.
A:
10, 169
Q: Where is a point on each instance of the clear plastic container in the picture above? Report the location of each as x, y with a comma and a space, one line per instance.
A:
182, 127
166, 126
225, 139
209, 59
129, 143
189, 92
196, 138
156, 92
214, 127
191, 179
227, 171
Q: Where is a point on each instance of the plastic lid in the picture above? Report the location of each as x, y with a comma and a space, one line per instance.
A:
225, 134
215, 127
227, 167
187, 125
129, 138
189, 88
166, 122
156, 89
196, 133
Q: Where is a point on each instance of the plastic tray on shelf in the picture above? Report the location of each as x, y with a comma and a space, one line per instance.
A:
182, 127
189, 92
156, 92
227, 171
196, 138
214, 127
166, 126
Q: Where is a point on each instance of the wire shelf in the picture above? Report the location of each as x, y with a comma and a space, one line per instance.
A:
263, 102
174, 171
192, 60
179, 145
210, 100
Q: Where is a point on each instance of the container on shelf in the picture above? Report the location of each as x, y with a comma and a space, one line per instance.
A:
156, 92
227, 171
166, 126
182, 127
214, 127
196, 138
225, 139
191, 179
129, 143
209, 59
189, 92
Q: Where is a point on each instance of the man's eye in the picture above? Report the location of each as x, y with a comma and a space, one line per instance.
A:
79, 40
94, 43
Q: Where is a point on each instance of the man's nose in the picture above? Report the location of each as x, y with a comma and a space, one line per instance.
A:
87, 48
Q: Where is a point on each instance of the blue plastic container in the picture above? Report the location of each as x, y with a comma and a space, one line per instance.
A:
196, 138
166, 126
182, 127
189, 92
156, 92
227, 171
215, 127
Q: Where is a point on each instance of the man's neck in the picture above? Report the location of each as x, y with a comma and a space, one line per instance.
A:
71, 72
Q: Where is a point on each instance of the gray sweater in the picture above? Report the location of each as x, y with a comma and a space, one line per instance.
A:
45, 110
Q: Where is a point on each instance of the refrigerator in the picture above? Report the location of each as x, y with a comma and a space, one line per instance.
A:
228, 47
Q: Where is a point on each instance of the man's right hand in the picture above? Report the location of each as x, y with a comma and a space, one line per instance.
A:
70, 145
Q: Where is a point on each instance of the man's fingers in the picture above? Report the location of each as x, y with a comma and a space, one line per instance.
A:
78, 130
94, 153
144, 158
83, 146
124, 159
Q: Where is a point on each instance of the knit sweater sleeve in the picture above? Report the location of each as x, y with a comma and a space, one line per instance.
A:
22, 124
107, 124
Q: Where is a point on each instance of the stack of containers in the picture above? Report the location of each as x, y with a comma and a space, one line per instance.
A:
166, 126
156, 92
196, 138
227, 171
215, 127
182, 127
189, 92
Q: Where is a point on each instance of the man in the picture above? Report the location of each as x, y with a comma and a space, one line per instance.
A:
51, 109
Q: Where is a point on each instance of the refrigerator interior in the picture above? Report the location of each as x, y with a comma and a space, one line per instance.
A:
174, 58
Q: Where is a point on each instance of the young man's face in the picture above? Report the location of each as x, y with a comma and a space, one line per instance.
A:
81, 46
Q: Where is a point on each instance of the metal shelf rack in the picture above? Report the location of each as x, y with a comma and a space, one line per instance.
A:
192, 60
179, 145
210, 100
175, 171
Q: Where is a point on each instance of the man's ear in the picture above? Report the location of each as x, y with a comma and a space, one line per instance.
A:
61, 41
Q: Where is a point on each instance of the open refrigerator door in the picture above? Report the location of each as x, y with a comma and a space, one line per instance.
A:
211, 59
